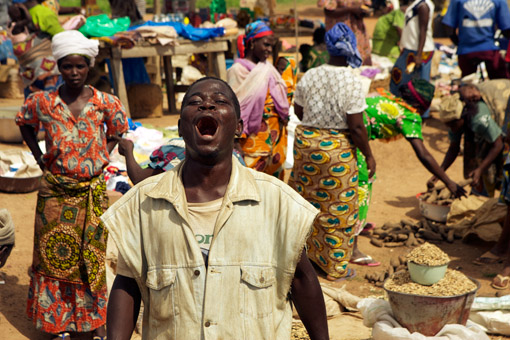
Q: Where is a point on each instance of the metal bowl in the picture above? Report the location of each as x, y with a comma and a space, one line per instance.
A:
19, 184
434, 212
429, 314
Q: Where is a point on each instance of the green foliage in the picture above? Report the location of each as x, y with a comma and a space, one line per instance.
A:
104, 5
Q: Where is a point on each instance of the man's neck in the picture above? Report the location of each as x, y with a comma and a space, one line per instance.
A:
204, 183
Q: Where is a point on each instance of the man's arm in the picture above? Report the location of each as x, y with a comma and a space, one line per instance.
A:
123, 308
306, 293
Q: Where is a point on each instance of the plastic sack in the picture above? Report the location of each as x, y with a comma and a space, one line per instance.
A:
495, 322
102, 26
377, 314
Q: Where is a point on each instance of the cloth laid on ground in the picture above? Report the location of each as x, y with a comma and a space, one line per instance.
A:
186, 31
477, 215
6, 228
164, 35
28, 166
492, 313
377, 314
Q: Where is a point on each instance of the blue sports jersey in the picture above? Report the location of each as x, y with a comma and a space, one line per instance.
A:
477, 21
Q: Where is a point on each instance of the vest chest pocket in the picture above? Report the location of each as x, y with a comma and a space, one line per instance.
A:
257, 291
161, 284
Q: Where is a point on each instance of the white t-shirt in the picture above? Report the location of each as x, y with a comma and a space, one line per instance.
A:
328, 94
411, 31
203, 217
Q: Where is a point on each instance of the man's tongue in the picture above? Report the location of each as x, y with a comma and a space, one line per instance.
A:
207, 126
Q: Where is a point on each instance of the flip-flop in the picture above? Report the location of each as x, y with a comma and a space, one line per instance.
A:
488, 258
368, 227
366, 261
351, 273
504, 280
63, 335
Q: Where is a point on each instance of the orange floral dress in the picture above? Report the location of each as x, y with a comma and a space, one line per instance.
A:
265, 151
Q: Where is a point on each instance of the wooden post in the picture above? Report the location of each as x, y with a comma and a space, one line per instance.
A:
118, 78
157, 7
169, 81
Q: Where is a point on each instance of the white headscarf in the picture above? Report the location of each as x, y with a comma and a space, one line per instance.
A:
6, 228
73, 42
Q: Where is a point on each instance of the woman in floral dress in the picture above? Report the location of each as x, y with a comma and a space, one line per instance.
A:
68, 290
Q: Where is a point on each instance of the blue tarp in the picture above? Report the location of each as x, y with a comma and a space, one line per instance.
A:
187, 31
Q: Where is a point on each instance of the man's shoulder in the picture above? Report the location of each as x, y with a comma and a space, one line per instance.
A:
273, 188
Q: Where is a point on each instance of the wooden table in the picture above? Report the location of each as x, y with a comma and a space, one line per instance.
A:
214, 48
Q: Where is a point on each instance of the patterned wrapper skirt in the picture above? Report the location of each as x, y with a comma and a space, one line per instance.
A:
68, 289
326, 174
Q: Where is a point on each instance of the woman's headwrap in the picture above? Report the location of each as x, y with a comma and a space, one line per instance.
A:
341, 42
6, 228
450, 108
73, 42
254, 30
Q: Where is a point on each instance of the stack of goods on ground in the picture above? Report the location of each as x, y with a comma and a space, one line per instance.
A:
410, 233
423, 301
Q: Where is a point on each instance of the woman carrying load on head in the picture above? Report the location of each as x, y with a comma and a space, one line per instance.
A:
330, 102
68, 290
31, 29
264, 98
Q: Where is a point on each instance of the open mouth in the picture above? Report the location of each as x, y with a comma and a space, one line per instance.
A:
207, 126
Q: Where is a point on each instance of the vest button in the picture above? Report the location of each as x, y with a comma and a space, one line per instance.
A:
197, 272
207, 324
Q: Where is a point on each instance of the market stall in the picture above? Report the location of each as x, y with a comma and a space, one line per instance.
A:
215, 49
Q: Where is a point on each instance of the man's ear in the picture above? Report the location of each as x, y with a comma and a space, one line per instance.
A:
239, 128
179, 127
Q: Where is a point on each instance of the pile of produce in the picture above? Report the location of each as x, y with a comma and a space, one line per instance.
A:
410, 233
453, 283
440, 195
428, 255
377, 277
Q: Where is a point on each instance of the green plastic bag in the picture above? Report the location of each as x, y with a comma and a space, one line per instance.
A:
102, 26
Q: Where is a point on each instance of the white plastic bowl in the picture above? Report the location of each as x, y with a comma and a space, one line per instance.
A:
435, 212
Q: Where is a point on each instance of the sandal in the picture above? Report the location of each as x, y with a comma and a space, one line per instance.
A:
368, 227
504, 281
366, 261
351, 273
97, 337
63, 336
488, 258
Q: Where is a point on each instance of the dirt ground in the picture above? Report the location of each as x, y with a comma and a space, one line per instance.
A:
400, 177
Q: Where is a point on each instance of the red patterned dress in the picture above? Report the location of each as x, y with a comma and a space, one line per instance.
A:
68, 280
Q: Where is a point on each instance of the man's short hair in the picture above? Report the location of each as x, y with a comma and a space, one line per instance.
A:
231, 93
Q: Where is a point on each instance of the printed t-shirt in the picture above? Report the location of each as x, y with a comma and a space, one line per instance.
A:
477, 21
